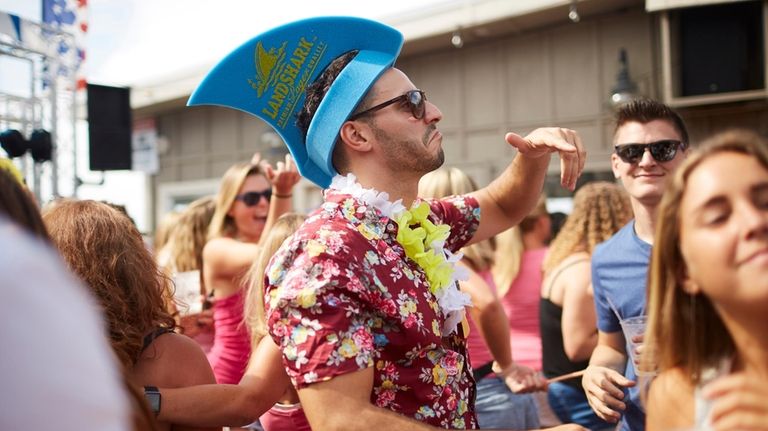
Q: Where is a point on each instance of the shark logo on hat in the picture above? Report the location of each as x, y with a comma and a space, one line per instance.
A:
265, 62
267, 77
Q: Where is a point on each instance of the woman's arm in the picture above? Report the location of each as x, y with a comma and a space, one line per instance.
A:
489, 315
283, 178
230, 405
579, 323
225, 260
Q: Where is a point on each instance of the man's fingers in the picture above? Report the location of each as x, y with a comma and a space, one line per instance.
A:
568, 171
515, 140
581, 151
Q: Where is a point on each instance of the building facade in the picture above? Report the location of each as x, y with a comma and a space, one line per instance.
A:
493, 66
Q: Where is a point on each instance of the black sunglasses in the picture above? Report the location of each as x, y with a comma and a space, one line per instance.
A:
252, 198
662, 151
415, 100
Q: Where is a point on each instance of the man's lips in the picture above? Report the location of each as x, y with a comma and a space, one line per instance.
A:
435, 135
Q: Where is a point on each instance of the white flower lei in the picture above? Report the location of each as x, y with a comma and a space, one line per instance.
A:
451, 300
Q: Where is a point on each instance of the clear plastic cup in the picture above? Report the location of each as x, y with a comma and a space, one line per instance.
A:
634, 329
187, 292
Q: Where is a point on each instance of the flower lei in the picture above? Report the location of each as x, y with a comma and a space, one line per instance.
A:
423, 242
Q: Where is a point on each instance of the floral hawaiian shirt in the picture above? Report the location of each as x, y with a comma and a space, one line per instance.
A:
342, 296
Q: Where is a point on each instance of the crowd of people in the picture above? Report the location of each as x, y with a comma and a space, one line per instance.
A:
411, 298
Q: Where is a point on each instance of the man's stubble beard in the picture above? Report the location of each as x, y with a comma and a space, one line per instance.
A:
399, 153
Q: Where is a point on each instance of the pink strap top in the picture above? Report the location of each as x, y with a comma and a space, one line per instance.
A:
479, 354
521, 303
231, 342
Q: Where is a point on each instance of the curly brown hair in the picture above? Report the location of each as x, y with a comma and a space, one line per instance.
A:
104, 248
600, 209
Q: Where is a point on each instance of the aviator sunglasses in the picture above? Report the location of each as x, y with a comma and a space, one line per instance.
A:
414, 99
252, 198
662, 151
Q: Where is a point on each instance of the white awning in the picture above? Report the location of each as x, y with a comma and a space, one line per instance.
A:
657, 5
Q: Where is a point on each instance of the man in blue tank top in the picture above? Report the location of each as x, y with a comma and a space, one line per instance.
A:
650, 142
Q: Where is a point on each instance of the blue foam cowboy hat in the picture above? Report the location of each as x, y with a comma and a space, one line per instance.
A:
268, 75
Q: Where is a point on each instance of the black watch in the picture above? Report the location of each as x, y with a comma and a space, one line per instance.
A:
152, 395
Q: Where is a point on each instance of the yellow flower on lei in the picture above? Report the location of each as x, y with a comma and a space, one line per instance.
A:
417, 243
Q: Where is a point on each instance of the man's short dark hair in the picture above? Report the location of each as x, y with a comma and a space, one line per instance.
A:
646, 110
315, 93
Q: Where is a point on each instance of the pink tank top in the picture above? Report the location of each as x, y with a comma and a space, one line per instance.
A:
231, 343
285, 418
479, 354
521, 303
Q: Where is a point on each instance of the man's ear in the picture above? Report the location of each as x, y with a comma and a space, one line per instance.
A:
615, 165
356, 136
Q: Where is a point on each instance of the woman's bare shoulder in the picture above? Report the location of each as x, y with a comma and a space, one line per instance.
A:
670, 402
173, 360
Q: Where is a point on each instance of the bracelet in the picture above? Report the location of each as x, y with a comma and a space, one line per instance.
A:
278, 195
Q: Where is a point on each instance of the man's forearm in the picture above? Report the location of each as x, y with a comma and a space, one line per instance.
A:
607, 356
518, 188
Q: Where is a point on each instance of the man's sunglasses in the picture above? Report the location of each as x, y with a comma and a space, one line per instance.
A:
415, 100
252, 198
662, 151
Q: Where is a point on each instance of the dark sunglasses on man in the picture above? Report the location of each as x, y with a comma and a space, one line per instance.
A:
415, 100
662, 151
252, 198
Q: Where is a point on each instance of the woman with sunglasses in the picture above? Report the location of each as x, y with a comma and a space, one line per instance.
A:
252, 195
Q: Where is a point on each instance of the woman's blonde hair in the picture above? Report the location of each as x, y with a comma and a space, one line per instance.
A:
185, 245
221, 223
103, 247
164, 229
284, 227
510, 248
453, 181
600, 209
684, 330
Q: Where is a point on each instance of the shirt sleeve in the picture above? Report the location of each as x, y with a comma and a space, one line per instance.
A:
316, 313
607, 321
461, 213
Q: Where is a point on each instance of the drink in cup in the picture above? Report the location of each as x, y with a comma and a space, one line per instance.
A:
634, 329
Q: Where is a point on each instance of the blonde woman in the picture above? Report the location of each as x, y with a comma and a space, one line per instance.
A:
567, 311
488, 339
265, 381
249, 193
517, 273
708, 291
182, 259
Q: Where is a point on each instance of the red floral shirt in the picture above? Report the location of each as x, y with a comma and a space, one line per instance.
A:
343, 296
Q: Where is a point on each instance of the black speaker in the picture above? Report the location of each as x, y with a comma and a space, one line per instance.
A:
721, 48
109, 127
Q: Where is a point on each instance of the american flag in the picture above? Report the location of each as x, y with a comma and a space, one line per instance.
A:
69, 16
